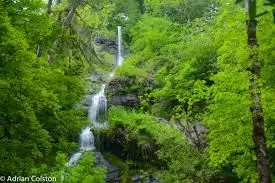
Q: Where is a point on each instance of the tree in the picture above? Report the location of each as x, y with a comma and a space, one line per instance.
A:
255, 94
49, 6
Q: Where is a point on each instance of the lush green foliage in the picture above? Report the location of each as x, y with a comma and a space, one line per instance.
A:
188, 63
160, 144
200, 70
85, 171
38, 112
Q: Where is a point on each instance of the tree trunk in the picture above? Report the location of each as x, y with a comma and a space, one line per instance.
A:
255, 94
72, 9
71, 13
49, 7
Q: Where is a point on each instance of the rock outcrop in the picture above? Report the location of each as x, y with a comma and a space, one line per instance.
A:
125, 100
196, 134
119, 93
126, 92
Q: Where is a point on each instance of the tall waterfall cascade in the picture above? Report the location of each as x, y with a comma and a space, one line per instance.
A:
119, 44
97, 110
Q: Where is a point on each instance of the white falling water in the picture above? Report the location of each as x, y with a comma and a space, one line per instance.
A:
87, 139
120, 55
97, 111
75, 157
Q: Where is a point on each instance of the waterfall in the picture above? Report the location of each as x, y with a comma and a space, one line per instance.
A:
87, 139
102, 110
75, 157
119, 44
97, 111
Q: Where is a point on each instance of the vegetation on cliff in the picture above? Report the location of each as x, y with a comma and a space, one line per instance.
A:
191, 64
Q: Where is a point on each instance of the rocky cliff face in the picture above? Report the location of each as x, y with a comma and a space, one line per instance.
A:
107, 45
126, 91
119, 93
